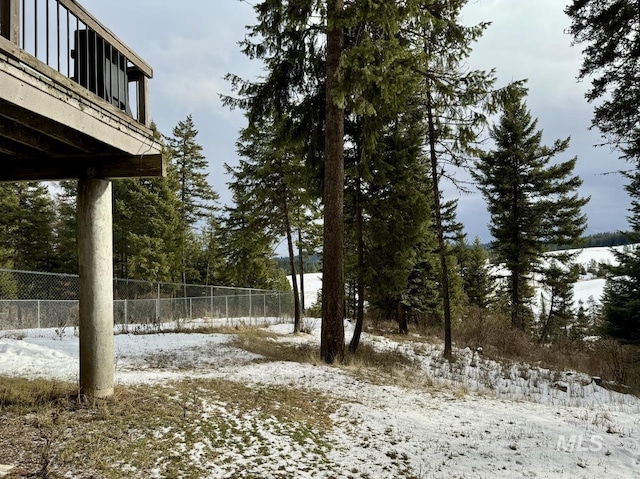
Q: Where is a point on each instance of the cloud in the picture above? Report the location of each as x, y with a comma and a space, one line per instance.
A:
192, 44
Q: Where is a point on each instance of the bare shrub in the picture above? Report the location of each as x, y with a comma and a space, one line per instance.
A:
606, 358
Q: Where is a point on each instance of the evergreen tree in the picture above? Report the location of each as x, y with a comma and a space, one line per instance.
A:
383, 138
621, 299
66, 247
248, 252
187, 170
422, 297
28, 219
146, 230
558, 279
188, 165
531, 202
303, 68
8, 207
211, 261
475, 274
397, 212
581, 326
454, 99
611, 31
273, 181
8, 213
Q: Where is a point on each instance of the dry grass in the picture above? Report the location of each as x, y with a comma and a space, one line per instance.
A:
607, 359
267, 344
618, 365
46, 432
367, 363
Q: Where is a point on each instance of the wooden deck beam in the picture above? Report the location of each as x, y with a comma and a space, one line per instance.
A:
46, 168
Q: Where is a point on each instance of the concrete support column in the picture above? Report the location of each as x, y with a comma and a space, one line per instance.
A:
95, 243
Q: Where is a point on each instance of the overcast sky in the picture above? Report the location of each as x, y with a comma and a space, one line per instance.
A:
192, 44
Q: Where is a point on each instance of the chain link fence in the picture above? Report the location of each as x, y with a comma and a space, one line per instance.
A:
48, 300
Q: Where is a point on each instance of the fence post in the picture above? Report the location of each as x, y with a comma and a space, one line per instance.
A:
126, 311
38, 314
191, 309
158, 304
211, 309
250, 308
226, 307
264, 307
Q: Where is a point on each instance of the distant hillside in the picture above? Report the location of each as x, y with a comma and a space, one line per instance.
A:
618, 238
608, 239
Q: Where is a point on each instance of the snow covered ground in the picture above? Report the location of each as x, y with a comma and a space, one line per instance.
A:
312, 285
475, 418
589, 287
471, 419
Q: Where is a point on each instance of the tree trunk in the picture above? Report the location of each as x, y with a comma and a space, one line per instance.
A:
517, 318
332, 337
444, 267
301, 260
546, 327
357, 331
403, 326
292, 263
184, 274
516, 321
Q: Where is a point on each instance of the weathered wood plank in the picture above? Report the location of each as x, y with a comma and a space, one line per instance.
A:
112, 167
94, 118
53, 130
34, 139
14, 15
10, 20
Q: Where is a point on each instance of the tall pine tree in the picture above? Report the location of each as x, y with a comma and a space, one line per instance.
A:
272, 177
532, 203
26, 226
454, 100
610, 31
187, 169
477, 283
621, 299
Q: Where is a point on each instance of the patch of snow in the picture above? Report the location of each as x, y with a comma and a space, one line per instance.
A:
312, 284
472, 418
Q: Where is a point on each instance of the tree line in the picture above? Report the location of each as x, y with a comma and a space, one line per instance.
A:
364, 111
164, 229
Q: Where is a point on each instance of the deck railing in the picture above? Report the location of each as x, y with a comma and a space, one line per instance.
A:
66, 38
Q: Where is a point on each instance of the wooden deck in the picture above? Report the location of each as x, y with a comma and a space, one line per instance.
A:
54, 127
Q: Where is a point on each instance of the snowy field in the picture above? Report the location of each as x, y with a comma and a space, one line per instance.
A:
587, 287
475, 418
471, 419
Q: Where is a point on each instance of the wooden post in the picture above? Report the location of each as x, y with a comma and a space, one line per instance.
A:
10, 20
95, 248
143, 100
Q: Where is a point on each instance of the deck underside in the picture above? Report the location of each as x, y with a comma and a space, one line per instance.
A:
52, 129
